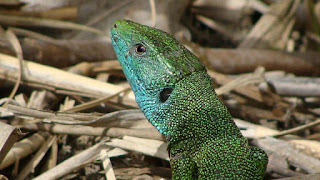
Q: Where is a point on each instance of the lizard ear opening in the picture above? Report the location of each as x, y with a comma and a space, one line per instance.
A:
165, 94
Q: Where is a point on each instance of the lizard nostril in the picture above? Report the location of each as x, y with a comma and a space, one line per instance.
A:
115, 26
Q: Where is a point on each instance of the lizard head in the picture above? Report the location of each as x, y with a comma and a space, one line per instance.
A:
153, 62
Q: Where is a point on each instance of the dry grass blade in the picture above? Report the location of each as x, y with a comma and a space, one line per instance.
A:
107, 165
272, 26
235, 61
17, 48
307, 176
241, 81
314, 36
295, 86
289, 154
53, 156
219, 28
108, 12
254, 131
33, 34
73, 163
62, 13
24, 148
8, 136
150, 133
297, 129
36, 159
95, 102
39, 22
146, 146
251, 92
153, 13
57, 78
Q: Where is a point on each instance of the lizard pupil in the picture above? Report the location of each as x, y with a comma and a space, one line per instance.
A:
140, 49
165, 94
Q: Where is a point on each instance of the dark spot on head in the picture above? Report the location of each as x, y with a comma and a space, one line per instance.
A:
115, 26
165, 94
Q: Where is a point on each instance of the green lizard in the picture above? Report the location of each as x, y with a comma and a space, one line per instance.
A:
176, 95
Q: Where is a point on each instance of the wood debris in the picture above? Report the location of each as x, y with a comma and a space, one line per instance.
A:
66, 110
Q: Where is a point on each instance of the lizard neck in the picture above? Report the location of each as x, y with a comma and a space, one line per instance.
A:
192, 112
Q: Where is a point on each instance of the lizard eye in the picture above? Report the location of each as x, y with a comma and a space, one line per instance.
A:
165, 94
140, 49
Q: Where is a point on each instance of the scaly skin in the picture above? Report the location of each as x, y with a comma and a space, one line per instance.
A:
175, 93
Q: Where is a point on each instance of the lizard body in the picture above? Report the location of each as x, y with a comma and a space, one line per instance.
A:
175, 93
